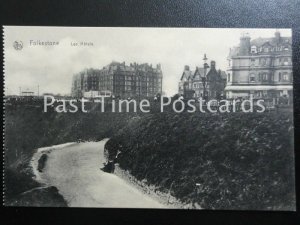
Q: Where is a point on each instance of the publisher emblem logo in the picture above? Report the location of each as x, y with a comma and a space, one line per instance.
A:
18, 45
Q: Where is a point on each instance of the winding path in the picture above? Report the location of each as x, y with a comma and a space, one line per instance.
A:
75, 171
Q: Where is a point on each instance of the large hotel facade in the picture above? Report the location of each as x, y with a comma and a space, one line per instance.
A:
119, 80
261, 68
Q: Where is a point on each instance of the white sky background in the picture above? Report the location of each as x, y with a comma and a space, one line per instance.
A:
52, 68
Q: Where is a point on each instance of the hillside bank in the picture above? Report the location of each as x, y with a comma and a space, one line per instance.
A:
217, 161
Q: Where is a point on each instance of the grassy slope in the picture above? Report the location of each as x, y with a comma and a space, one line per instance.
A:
242, 161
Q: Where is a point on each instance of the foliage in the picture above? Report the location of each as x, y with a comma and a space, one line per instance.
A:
239, 160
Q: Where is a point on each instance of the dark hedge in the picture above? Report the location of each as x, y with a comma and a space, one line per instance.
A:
240, 160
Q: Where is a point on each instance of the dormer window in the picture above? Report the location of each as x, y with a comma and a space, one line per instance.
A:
254, 49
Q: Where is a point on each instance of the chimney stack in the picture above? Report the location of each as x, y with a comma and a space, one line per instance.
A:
245, 45
277, 36
213, 64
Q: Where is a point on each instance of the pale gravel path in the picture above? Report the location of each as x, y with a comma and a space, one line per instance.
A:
75, 171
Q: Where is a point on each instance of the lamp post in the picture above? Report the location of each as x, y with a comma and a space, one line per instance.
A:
204, 79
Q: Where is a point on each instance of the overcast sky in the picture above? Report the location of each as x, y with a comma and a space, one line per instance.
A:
52, 68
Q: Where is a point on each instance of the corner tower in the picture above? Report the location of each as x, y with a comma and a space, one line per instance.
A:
245, 44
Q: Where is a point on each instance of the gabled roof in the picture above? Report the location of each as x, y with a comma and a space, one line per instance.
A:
267, 43
212, 72
188, 74
199, 71
217, 73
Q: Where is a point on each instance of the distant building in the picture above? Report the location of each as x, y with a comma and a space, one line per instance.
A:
216, 82
203, 82
27, 94
261, 68
77, 85
118, 79
185, 86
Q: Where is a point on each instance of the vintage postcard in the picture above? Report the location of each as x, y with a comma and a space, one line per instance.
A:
186, 118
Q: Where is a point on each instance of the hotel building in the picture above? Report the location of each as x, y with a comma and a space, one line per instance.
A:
261, 68
119, 80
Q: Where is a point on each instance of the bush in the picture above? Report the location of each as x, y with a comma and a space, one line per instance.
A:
241, 161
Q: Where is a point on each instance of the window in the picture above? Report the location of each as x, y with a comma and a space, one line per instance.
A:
285, 61
252, 77
285, 77
265, 93
264, 76
228, 77
253, 49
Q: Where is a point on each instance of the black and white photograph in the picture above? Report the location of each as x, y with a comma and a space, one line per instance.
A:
144, 117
